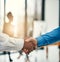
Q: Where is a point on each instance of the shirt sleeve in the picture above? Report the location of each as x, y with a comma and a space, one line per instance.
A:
9, 44
49, 38
17, 43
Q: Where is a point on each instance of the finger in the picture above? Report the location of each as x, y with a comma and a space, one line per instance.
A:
26, 51
28, 39
32, 40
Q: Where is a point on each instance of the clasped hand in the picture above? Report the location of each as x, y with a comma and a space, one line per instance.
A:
30, 44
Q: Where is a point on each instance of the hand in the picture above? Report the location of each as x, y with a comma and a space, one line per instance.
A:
28, 47
33, 40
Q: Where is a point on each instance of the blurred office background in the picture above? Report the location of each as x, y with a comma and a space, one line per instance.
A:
31, 18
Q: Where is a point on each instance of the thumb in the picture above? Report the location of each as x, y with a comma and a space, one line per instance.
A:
28, 39
33, 40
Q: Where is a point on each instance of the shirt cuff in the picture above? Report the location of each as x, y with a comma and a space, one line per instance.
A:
40, 41
19, 44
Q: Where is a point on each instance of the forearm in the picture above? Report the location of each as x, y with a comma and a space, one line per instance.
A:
7, 43
15, 44
42, 41
49, 38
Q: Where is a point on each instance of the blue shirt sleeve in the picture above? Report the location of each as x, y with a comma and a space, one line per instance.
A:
49, 38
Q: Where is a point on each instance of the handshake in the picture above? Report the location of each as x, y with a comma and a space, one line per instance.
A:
30, 44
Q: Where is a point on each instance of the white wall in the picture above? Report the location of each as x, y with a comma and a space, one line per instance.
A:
52, 13
1, 14
51, 18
